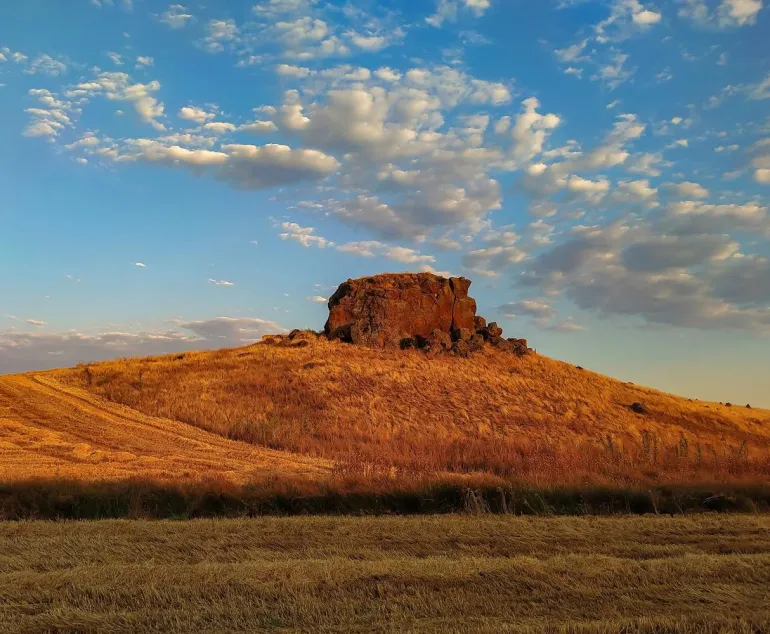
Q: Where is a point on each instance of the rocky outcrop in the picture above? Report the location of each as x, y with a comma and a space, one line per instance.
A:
384, 310
414, 310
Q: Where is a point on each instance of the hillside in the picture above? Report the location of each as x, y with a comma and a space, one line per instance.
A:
53, 431
380, 412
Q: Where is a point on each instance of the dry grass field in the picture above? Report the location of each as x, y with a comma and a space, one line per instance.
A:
54, 431
419, 574
528, 419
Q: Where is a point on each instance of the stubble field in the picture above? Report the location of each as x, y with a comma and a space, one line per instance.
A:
707, 573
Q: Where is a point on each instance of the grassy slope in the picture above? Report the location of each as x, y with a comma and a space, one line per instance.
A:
55, 431
450, 574
495, 413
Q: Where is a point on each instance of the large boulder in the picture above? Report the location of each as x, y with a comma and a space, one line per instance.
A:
383, 310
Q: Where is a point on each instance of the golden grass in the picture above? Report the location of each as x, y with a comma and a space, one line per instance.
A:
426, 574
528, 419
55, 431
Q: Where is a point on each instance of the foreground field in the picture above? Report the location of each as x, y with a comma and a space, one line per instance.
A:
451, 574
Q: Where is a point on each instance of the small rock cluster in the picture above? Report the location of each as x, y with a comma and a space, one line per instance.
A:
463, 342
295, 339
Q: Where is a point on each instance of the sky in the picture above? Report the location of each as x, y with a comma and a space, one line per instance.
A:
178, 176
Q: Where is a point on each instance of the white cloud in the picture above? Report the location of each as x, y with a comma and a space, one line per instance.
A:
567, 325
176, 16
127, 5
492, 261
531, 129
288, 70
304, 236
140, 265
221, 282
220, 127
259, 127
318, 299
760, 90
36, 322
197, 115
51, 119
155, 152
371, 43
626, 18
408, 256
528, 307
144, 62
257, 167
373, 248
687, 190
115, 58
46, 65
387, 74
614, 72
219, 35
635, 192
729, 13
646, 17
447, 10
116, 86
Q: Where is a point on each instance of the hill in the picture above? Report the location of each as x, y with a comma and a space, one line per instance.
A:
378, 413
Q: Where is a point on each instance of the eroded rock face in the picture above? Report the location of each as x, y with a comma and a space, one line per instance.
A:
384, 310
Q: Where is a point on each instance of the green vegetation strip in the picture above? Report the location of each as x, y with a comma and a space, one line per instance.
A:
695, 573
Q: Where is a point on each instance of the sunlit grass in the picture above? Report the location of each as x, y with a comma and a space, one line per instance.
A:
376, 412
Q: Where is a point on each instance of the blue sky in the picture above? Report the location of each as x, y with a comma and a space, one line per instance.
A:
195, 175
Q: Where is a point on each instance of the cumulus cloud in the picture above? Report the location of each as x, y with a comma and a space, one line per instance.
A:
258, 167
116, 86
219, 35
529, 308
686, 190
46, 65
546, 179
242, 166
374, 248
303, 235
195, 114
729, 13
760, 90
51, 117
671, 252
175, 17
447, 10
140, 265
219, 127
674, 270
626, 17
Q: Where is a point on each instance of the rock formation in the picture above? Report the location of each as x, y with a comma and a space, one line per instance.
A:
414, 310
384, 310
